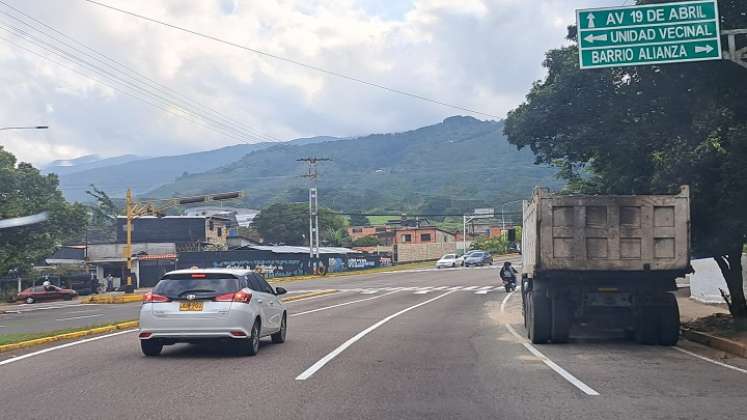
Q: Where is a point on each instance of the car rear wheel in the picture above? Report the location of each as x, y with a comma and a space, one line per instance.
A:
279, 337
250, 346
30, 300
151, 347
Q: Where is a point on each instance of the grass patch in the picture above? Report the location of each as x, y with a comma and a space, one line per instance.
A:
19, 337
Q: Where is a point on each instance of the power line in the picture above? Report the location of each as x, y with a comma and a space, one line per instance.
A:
150, 81
128, 82
160, 102
295, 62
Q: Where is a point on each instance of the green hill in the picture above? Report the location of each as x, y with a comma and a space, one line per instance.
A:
450, 167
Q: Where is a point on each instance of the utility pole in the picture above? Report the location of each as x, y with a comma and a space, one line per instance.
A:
312, 174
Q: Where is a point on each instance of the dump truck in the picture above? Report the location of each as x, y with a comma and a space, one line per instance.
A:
604, 261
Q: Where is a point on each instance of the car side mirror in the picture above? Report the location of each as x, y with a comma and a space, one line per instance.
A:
280, 291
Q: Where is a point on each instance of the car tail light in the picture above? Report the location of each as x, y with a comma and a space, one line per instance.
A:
145, 334
240, 296
151, 297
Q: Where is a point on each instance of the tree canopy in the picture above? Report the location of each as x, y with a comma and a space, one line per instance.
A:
23, 192
288, 224
649, 129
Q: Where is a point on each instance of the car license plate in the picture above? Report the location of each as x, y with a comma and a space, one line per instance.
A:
190, 306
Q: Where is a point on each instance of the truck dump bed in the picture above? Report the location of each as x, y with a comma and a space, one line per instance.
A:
606, 233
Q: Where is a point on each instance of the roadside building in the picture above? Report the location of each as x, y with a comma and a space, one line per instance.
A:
189, 233
422, 243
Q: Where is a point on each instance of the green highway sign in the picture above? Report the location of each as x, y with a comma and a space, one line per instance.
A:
648, 34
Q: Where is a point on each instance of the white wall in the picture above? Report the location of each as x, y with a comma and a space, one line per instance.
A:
707, 280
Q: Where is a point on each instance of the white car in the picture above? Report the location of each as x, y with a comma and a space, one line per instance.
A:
195, 305
448, 260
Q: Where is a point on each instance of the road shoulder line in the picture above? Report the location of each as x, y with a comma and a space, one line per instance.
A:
546, 360
62, 346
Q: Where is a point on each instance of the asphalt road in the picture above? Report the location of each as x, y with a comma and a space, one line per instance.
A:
431, 345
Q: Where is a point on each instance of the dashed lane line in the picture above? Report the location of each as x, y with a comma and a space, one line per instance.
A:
324, 308
334, 353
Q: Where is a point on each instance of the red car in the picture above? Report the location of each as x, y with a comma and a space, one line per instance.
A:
42, 293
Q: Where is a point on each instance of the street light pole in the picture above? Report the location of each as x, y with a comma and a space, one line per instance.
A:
34, 127
503, 220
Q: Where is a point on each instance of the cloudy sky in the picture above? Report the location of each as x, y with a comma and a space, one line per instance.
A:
191, 93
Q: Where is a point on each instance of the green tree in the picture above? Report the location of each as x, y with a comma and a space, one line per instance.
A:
288, 224
23, 192
494, 245
649, 129
104, 212
358, 220
366, 241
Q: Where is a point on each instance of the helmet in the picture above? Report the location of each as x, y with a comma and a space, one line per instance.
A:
46, 283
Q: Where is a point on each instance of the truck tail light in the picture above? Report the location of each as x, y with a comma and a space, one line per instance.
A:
151, 297
240, 296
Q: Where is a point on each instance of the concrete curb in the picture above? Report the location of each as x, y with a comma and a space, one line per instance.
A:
718, 343
77, 334
309, 295
127, 298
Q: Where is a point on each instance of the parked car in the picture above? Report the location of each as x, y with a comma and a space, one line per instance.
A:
448, 260
460, 259
236, 306
45, 293
478, 258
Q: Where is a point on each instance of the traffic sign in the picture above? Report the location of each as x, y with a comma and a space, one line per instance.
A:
484, 212
648, 34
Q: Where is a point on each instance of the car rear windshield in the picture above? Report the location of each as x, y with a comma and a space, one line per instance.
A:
179, 286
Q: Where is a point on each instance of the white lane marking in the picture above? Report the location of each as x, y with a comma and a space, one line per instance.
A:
423, 290
440, 288
503, 303
82, 312
484, 290
370, 291
715, 362
62, 346
586, 389
78, 317
324, 308
313, 297
331, 355
455, 288
471, 288
43, 308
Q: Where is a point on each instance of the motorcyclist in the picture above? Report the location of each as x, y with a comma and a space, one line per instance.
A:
508, 273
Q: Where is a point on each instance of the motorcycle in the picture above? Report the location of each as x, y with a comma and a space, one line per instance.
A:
509, 284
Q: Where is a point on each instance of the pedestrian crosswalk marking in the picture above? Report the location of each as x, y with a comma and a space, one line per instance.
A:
418, 290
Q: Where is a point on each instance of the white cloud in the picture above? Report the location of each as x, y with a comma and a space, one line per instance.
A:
482, 54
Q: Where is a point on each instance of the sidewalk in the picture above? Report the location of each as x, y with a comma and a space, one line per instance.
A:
710, 324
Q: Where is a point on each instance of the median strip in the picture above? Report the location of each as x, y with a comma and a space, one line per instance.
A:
68, 336
126, 298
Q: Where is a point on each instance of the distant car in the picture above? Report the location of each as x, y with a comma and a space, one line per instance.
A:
460, 259
45, 293
448, 260
195, 305
478, 258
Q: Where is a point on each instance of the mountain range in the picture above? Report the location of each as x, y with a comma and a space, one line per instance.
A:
142, 174
446, 168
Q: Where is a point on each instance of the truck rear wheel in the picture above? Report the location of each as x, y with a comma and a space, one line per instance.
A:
539, 317
561, 320
669, 321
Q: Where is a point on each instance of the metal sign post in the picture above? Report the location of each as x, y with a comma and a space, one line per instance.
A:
649, 34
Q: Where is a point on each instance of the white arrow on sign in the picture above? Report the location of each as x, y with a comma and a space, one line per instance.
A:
706, 49
590, 19
591, 38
